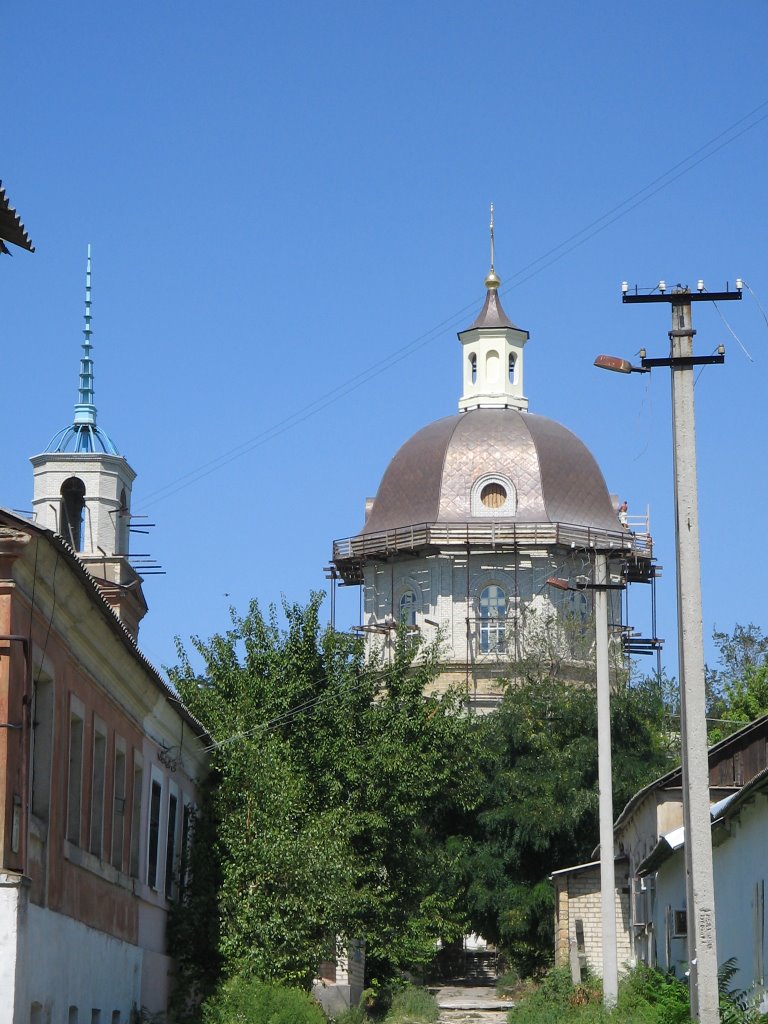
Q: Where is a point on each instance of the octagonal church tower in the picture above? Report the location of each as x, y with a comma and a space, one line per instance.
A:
82, 491
485, 526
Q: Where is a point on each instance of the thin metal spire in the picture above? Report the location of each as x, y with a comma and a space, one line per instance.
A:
492, 281
85, 410
491, 226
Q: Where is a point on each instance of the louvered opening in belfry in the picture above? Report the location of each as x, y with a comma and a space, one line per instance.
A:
493, 495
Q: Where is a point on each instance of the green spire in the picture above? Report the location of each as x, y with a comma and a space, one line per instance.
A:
85, 410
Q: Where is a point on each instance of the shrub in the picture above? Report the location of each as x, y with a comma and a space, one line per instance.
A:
354, 1015
645, 997
247, 1001
508, 982
413, 1006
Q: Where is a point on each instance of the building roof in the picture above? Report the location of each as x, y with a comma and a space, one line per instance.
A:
492, 314
431, 477
11, 228
113, 623
715, 755
720, 813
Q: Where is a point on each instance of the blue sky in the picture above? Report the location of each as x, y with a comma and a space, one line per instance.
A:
280, 200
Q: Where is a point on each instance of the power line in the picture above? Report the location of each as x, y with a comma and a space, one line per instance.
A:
519, 277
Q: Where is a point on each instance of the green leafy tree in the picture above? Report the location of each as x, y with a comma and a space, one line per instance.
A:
336, 789
541, 807
739, 686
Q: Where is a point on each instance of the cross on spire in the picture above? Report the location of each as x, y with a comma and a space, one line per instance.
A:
492, 281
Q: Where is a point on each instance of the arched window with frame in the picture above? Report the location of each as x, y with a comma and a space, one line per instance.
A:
72, 507
408, 608
473, 368
492, 606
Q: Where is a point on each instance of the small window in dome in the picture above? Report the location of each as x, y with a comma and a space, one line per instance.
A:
493, 495
511, 368
473, 367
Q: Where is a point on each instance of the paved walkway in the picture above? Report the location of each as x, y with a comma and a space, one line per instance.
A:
471, 1005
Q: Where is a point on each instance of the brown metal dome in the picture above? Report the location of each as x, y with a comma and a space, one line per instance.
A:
435, 477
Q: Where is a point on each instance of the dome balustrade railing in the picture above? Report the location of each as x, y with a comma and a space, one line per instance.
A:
497, 534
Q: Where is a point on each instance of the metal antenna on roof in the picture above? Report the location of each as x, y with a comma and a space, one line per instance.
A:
85, 410
492, 281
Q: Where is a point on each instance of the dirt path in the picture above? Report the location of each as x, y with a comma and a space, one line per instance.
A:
471, 1005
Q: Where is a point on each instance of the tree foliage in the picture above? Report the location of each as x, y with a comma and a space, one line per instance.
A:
739, 686
336, 788
540, 810
344, 803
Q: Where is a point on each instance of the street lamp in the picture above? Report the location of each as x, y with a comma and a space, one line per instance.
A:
702, 941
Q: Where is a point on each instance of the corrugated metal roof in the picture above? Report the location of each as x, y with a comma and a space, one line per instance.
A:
11, 228
724, 809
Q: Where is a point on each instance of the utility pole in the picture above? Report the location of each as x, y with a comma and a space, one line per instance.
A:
702, 936
605, 786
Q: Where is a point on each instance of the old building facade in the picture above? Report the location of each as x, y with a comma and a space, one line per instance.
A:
99, 761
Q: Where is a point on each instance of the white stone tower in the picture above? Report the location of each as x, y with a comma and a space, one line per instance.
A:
82, 491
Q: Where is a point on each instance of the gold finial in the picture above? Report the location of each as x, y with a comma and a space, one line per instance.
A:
492, 281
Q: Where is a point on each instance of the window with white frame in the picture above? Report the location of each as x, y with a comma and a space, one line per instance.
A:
492, 611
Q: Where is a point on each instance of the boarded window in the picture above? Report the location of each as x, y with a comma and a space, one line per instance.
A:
42, 745
97, 791
138, 782
75, 778
118, 810
153, 849
170, 846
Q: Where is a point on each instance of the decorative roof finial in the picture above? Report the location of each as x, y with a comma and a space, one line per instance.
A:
85, 410
492, 281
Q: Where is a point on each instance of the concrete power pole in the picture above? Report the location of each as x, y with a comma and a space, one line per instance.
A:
605, 785
702, 939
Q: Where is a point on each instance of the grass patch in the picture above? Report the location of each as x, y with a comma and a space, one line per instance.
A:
413, 1006
645, 997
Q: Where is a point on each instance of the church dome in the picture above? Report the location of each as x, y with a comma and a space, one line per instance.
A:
502, 464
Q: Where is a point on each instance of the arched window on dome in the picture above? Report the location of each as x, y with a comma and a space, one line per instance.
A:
408, 608
72, 507
492, 606
473, 367
511, 367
